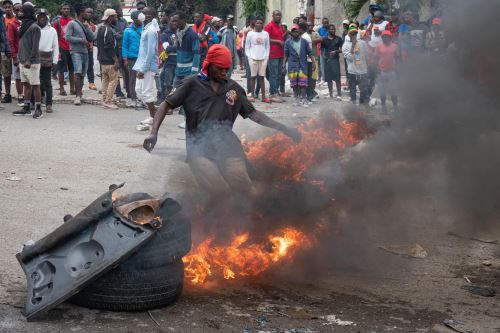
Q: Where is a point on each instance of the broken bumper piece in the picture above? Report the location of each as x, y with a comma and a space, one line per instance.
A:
84, 248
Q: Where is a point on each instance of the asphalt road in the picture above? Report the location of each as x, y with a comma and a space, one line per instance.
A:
68, 158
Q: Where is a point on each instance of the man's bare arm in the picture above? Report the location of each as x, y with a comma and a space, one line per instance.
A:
150, 141
261, 119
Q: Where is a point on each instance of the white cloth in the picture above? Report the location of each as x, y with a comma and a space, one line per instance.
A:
309, 41
257, 45
49, 42
145, 88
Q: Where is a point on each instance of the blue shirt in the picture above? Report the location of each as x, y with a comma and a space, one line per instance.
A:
147, 61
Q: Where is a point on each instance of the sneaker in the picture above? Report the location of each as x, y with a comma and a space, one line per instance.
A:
147, 121
182, 125
77, 100
6, 99
92, 86
38, 114
276, 99
309, 102
138, 105
20, 101
338, 98
295, 102
48, 109
22, 112
304, 103
63, 92
266, 100
120, 95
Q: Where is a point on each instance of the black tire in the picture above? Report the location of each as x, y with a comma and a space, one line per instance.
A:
170, 243
122, 290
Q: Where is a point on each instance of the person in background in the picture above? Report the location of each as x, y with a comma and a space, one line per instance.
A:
130, 52
140, 5
276, 55
9, 63
187, 49
90, 69
65, 62
29, 60
79, 36
377, 26
313, 75
168, 39
202, 29
107, 54
331, 47
188, 52
216, 24
372, 9
393, 25
412, 35
244, 32
386, 56
257, 48
345, 26
49, 55
297, 51
356, 53
146, 65
120, 26
228, 36
435, 41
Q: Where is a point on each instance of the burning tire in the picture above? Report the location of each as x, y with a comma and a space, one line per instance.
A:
134, 290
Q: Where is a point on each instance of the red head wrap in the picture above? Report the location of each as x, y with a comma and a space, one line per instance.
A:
218, 55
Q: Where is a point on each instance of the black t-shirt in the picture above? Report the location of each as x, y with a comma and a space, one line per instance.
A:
210, 116
328, 45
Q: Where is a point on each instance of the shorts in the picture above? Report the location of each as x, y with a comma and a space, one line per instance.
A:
6, 66
65, 63
30, 75
145, 88
80, 63
257, 67
297, 79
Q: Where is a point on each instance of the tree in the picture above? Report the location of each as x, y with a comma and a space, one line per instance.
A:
53, 5
353, 7
254, 7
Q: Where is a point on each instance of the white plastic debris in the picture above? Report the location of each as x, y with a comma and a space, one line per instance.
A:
14, 178
332, 319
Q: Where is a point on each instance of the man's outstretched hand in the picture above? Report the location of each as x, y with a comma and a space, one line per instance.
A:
150, 142
294, 134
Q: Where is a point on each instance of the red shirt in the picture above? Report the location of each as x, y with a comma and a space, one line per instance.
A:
200, 30
275, 31
60, 26
387, 55
12, 32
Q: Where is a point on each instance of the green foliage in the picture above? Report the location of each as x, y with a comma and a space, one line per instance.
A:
53, 5
353, 7
220, 8
254, 7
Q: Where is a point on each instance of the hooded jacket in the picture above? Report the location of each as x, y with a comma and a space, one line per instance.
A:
131, 42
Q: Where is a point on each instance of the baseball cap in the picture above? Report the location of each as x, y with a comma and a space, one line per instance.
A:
386, 33
345, 21
353, 29
378, 13
230, 17
135, 15
42, 11
215, 19
107, 13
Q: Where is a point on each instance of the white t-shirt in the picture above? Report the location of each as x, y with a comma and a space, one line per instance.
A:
309, 41
257, 45
381, 27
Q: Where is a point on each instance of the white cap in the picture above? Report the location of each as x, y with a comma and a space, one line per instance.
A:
107, 13
345, 21
215, 19
17, 2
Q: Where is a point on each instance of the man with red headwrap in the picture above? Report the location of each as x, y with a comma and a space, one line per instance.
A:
211, 103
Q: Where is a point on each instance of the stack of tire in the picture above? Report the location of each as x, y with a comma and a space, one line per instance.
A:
151, 278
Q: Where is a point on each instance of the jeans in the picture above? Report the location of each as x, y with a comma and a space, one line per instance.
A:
90, 70
46, 84
360, 80
166, 80
131, 78
80, 63
274, 66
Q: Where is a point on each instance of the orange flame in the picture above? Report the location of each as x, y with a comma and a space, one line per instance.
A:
242, 259
319, 137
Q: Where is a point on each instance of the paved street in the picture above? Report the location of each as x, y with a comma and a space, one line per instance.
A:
62, 162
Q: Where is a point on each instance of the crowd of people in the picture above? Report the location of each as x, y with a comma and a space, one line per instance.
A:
154, 57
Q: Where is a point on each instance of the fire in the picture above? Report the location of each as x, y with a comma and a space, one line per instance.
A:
239, 258
320, 138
